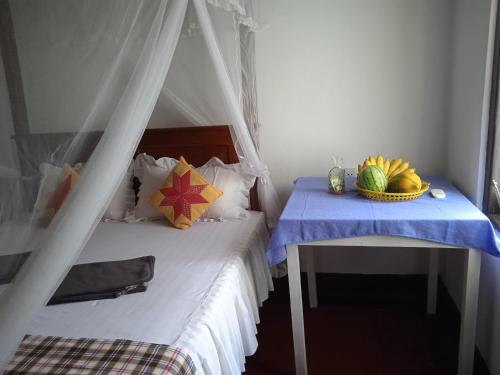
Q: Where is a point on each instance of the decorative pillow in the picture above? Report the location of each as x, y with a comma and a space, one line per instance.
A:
67, 180
122, 202
48, 183
152, 178
51, 176
184, 196
151, 174
236, 185
55, 187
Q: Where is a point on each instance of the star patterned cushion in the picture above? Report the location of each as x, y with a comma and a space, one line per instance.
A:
67, 180
184, 196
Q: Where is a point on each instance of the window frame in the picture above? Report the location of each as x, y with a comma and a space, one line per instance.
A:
492, 120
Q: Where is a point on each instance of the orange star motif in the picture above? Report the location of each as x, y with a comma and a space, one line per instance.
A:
182, 195
59, 195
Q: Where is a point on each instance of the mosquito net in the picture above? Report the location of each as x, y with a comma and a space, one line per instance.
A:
80, 80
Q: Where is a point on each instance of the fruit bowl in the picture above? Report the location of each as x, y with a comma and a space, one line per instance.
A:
393, 197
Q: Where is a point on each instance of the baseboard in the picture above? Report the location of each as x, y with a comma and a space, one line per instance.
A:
393, 292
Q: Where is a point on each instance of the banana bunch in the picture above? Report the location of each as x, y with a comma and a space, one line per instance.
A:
390, 167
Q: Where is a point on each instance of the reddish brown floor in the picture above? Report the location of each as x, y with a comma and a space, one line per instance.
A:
344, 340
388, 334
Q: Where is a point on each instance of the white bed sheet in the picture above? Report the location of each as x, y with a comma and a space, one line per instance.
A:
209, 281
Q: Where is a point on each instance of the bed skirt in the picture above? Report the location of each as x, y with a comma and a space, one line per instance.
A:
225, 325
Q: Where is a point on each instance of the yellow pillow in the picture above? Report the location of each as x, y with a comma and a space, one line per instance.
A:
184, 196
67, 180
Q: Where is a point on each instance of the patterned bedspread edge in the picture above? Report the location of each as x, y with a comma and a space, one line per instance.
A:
58, 355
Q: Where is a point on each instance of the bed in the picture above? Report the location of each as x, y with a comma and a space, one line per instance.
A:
209, 280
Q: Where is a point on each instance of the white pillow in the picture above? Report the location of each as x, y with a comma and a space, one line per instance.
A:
152, 179
144, 159
234, 182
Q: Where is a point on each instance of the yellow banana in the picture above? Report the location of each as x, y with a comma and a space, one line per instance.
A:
402, 167
416, 179
394, 165
387, 164
408, 172
380, 161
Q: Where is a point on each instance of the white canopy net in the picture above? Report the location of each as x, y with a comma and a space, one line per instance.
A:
80, 80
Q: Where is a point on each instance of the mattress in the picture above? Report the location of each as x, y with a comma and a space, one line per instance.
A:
209, 281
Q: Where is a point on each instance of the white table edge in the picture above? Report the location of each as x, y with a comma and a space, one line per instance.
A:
469, 298
381, 241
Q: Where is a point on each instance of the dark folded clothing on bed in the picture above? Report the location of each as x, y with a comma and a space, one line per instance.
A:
104, 280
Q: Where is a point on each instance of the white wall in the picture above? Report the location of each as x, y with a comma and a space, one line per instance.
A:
469, 96
473, 30
468, 115
353, 78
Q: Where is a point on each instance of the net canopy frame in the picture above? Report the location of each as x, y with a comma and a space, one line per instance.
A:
98, 73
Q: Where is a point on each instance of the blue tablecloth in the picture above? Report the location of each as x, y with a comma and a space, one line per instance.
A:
312, 214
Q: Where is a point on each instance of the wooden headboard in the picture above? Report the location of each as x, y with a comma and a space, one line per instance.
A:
197, 144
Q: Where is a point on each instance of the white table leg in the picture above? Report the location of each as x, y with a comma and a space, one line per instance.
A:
299, 343
308, 252
432, 280
470, 292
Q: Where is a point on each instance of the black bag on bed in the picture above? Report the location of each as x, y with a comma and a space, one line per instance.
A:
104, 280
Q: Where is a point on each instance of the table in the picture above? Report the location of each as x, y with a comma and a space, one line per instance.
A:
312, 217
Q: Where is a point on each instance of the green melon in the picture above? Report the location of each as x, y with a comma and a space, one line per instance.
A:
372, 178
